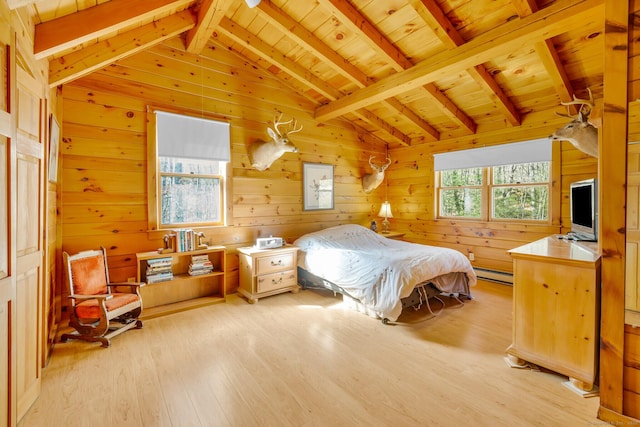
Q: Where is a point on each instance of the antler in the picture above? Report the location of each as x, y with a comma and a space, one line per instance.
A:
293, 122
569, 115
293, 129
379, 168
588, 103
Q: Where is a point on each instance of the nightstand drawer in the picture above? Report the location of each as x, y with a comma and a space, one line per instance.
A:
269, 282
273, 263
266, 272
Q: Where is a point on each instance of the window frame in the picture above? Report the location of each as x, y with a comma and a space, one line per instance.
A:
482, 187
553, 209
220, 200
154, 178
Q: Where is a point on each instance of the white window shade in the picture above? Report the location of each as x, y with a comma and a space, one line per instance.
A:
192, 137
538, 150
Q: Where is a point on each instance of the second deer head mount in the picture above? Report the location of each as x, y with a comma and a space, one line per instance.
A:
371, 181
580, 131
263, 153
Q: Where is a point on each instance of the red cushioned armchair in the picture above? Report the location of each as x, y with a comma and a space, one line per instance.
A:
100, 310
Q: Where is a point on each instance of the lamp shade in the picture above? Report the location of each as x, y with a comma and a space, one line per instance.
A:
385, 210
252, 3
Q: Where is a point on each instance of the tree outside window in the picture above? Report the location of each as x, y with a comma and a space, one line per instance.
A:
190, 191
506, 192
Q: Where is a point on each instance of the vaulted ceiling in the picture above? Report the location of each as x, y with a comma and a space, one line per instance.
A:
407, 71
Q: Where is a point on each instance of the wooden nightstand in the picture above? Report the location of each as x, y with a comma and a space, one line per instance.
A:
265, 272
393, 235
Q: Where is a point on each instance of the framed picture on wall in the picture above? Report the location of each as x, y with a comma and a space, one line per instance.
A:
54, 143
317, 182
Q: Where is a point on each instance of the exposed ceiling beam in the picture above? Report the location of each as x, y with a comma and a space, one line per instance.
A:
556, 19
68, 31
274, 57
300, 73
559, 77
85, 61
14, 4
435, 18
308, 41
525, 7
409, 114
549, 57
209, 16
377, 122
350, 16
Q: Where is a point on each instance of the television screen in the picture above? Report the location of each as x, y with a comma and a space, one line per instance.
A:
581, 207
584, 210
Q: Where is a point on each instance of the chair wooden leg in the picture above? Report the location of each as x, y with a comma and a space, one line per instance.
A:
76, 336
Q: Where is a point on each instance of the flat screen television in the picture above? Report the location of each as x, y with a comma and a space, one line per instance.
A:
584, 210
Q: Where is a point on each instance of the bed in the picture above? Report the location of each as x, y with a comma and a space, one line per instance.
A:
375, 274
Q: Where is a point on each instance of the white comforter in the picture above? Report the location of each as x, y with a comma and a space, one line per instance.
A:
377, 271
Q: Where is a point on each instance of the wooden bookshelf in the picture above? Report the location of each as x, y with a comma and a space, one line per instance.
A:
183, 291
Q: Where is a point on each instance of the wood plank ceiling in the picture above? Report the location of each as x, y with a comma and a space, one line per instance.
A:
406, 71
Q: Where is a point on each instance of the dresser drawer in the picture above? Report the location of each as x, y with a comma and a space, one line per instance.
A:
269, 282
273, 263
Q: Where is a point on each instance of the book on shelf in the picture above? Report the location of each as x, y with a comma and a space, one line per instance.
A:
159, 277
186, 239
199, 272
200, 269
199, 258
200, 264
159, 261
159, 269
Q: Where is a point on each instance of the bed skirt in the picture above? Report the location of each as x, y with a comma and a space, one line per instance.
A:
420, 294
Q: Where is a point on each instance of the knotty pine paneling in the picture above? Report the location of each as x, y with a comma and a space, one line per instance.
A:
411, 193
632, 282
103, 180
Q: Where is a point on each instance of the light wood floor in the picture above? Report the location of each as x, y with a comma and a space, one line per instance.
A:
302, 360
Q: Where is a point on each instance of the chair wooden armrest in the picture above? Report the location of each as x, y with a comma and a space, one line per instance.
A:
131, 287
131, 284
100, 309
88, 297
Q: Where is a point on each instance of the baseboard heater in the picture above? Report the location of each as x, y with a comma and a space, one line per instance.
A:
494, 275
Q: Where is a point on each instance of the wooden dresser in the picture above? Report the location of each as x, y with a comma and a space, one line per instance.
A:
265, 272
556, 308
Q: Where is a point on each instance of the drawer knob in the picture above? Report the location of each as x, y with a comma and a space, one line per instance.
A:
276, 282
276, 263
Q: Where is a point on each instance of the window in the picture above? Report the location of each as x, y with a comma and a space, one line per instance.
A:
461, 193
190, 191
489, 189
189, 156
520, 191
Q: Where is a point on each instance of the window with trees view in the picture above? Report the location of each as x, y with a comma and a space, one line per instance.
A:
506, 192
190, 191
187, 170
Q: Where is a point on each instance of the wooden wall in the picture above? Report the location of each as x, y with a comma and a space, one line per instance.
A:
103, 181
411, 189
631, 359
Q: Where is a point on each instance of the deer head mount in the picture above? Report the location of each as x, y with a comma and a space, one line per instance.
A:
580, 131
263, 153
371, 181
